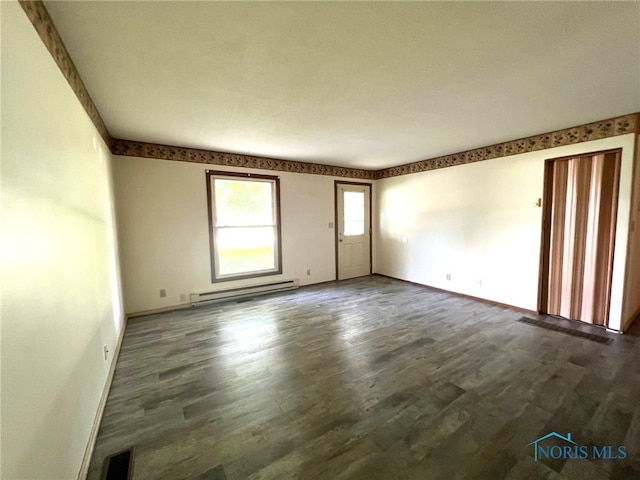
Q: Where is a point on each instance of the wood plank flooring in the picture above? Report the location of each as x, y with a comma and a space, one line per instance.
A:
369, 378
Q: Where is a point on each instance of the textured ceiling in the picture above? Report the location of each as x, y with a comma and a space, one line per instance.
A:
359, 84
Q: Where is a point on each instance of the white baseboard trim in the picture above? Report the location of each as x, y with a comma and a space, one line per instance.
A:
93, 435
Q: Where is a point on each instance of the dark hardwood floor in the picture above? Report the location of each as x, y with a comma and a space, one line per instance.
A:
370, 378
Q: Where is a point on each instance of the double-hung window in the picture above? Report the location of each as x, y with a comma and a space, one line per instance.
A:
244, 225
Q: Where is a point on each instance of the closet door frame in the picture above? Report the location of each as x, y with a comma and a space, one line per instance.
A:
545, 241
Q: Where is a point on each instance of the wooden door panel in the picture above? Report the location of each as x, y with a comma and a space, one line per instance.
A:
583, 198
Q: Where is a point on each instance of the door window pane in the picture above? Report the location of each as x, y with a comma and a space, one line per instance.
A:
353, 213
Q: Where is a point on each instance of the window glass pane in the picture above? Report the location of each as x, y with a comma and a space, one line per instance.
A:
243, 202
353, 213
245, 249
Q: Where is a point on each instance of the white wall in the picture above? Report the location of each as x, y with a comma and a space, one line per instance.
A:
164, 236
478, 223
60, 289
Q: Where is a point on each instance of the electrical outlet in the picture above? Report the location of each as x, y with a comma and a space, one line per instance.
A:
308, 272
163, 292
479, 282
106, 352
330, 224
448, 276
183, 297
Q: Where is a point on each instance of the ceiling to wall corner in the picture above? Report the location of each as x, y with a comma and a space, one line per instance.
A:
357, 84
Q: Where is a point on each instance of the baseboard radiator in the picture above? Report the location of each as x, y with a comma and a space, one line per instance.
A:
243, 292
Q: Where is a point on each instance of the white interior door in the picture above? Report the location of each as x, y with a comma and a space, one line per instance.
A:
354, 230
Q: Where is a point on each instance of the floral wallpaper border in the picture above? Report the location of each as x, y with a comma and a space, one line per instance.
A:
182, 154
568, 136
583, 133
39, 17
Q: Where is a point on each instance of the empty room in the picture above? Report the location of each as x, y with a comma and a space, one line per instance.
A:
320, 240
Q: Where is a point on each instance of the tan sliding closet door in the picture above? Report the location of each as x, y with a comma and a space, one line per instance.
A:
584, 193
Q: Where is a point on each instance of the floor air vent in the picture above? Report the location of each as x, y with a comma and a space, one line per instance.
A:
118, 466
569, 331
